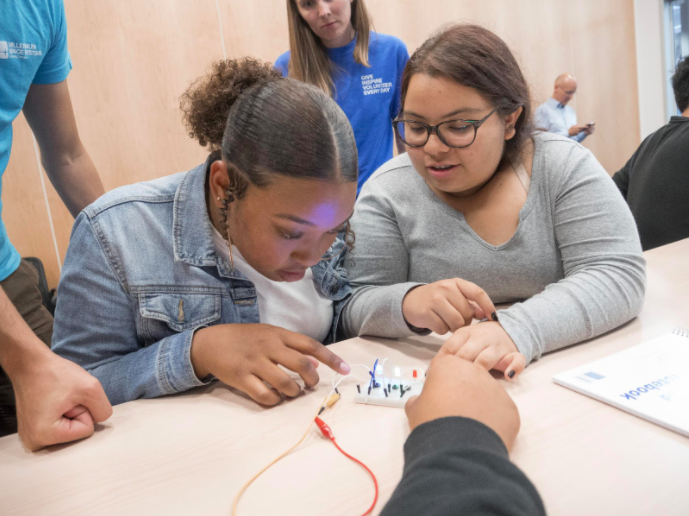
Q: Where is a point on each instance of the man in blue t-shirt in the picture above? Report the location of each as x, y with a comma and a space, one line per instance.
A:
56, 401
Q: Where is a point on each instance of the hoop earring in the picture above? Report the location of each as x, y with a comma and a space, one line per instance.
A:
229, 197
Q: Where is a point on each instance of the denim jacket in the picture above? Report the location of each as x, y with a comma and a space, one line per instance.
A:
142, 274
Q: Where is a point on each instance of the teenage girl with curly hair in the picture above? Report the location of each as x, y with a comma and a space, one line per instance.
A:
208, 273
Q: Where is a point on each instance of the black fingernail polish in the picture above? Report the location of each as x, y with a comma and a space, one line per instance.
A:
510, 374
495, 316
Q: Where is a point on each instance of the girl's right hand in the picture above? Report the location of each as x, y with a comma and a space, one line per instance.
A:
447, 305
244, 356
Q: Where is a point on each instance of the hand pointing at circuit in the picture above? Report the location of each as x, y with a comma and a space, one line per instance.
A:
248, 356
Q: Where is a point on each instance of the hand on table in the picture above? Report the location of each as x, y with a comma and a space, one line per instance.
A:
247, 356
57, 402
487, 344
446, 305
456, 387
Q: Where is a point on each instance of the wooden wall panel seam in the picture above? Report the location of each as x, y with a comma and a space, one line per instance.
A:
222, 36
571, 70
39, 167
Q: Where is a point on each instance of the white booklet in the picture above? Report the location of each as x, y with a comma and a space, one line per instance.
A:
650, 380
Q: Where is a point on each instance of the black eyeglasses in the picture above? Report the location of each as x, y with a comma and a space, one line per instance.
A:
453, 133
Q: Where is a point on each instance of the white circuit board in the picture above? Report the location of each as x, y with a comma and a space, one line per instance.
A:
389, 392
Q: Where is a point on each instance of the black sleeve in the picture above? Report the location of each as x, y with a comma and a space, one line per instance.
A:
621, 178
457, 466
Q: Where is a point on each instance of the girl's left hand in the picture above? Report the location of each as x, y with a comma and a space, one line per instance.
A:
489, 345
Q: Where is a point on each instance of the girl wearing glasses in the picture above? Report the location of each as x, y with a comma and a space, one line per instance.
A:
481, 207
207, 274
331, 47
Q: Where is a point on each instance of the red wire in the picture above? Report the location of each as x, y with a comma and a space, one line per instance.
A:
375, 482
325, 429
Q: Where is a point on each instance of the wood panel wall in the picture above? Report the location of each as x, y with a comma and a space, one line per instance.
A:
133, 58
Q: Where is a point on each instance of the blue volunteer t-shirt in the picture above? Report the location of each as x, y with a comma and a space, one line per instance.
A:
370, 97
33, 50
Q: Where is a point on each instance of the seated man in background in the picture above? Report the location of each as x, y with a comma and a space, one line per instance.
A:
555, 116
655, 180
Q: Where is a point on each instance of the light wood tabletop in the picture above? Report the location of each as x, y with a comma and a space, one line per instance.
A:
190, 453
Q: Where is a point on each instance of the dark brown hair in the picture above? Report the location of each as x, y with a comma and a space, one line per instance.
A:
262, 124
473, 56
207, 102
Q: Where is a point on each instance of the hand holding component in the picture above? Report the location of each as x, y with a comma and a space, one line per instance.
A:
446, 305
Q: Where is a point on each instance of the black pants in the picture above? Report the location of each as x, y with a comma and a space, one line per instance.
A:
22, 289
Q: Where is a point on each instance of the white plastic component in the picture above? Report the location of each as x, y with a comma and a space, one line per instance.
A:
393, 398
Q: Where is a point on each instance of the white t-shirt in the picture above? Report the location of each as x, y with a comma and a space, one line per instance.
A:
296, 306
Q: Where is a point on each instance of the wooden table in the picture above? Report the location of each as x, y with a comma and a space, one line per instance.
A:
190, 453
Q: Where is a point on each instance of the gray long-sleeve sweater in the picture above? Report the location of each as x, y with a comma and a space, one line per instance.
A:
573, 268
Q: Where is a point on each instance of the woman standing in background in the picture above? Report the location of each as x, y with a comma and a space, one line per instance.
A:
332, 47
